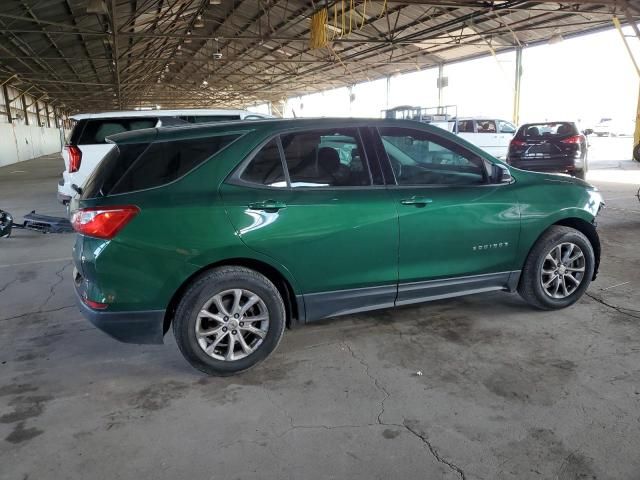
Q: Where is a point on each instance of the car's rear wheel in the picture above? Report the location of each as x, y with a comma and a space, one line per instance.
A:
636, 153
229, 320
558, 269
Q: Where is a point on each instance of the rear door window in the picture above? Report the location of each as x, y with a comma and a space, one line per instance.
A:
326, 158
266, 167
96, 131
486, 126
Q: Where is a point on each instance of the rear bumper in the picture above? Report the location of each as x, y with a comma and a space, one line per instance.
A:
64, 199
546, 165
64, 191
141, 327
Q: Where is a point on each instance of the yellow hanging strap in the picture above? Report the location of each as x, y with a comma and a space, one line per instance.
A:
319, 29
384, 9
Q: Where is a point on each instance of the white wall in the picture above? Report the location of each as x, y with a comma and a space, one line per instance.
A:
23, 142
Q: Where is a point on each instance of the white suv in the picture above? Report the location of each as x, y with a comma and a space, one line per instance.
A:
491, 135
87, 146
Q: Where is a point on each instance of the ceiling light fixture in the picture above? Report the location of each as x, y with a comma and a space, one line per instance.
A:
217, 55
199, 23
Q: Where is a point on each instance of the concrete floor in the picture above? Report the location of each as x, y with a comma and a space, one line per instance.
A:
505, 392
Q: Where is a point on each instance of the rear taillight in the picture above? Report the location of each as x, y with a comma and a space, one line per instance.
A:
517, 143
75, 157
573, 140
95, 305
103, 222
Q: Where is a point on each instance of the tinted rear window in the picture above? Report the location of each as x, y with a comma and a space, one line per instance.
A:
548, 130
95, 131
76, 130
132, 167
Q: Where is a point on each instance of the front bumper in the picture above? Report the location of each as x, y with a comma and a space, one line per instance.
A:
141, 327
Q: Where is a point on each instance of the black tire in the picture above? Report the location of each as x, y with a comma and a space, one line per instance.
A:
204, 288
636, 153
580, 174
530, 287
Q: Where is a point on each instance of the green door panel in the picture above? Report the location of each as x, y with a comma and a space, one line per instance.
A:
330, 239
456, 231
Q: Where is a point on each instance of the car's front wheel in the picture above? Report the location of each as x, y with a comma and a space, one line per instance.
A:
229, 320
558, 269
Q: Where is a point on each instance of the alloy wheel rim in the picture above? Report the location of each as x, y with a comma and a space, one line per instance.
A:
563, 270
232, 324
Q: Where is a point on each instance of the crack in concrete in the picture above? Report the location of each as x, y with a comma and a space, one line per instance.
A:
8, 284
52, 293
433, 451
624, 311
37, 311
423, 438
375, 381
52, 289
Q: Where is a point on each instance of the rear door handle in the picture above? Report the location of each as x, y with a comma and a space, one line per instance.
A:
267, 205
417, 201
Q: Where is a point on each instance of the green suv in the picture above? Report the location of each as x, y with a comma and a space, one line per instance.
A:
230, 232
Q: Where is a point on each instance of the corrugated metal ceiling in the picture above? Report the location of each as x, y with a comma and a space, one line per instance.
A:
110, 54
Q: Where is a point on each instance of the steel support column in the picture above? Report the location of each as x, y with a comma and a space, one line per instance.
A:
636, 134
38, 114
7, 103
387, 92
440, 86
46, 114
516, 88
24, 109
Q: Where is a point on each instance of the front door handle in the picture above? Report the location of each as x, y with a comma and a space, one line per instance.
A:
267, 205
417, 201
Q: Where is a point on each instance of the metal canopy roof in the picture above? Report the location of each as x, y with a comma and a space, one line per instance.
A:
118, 54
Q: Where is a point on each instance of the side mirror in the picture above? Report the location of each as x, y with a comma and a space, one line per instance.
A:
588, 131
501, 174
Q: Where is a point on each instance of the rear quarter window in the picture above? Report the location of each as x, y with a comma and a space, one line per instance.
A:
164, 162
138, 166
